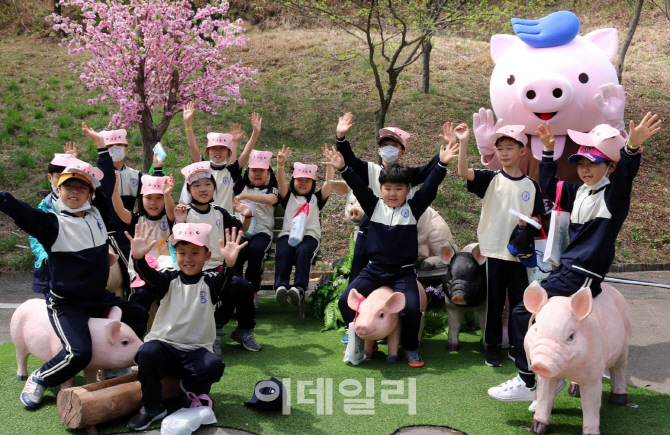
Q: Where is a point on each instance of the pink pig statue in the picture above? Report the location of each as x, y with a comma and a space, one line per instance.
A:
114, 343
378, 318
578, 338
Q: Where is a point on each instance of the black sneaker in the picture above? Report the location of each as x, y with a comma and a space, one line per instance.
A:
145, 417
493, 356
511, 354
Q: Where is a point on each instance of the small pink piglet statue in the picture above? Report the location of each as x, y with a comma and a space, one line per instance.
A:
114, 344
378, 317
578, 338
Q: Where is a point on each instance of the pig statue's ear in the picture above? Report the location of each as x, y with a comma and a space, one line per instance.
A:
500, 44
111, 331
353, 299
605, 39
447, 252
395, 303
581, 304
534, 297
339, 187
477, 254
114, 313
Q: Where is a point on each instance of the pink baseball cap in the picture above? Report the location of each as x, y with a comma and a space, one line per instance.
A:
394, 133
260, 159
301, 170
198, 234
61, 159
151, 184
83, 171
115, 136
513, 131
219, 140
605, 138
590, 153
191, 171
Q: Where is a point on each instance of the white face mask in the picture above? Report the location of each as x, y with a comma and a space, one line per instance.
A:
223, 163
117, 153
389, 153
62, 207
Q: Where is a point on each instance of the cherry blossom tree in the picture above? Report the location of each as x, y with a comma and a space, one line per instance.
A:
152, 56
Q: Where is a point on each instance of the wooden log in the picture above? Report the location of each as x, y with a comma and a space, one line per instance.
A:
88, 405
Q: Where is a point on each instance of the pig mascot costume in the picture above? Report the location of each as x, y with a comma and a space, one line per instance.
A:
548, 73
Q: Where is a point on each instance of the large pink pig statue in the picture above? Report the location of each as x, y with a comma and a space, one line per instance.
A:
378, 317
578, 338
114, 343
549, 73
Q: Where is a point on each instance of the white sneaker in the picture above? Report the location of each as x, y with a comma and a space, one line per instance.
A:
561, 384
31, 396
282, 296
297, 295
514, 390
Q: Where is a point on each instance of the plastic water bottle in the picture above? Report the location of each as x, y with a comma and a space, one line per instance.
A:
160, 151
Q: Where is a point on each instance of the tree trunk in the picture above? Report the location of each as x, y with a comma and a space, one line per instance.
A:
380, 117
629, 38
149, 139
424, 87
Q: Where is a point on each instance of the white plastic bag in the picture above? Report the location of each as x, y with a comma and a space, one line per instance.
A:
559, 231
186, 420
355, 352
298, 225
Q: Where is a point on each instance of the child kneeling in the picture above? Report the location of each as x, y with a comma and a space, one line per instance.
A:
182, 336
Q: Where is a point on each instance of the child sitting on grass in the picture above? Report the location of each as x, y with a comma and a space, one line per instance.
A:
183, 333
500, 191
598, 209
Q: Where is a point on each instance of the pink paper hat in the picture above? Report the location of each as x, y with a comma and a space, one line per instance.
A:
189, 172
83, 171
394, 133
198, 234
219, 140
61, 159
513, 131
115, 136
151, 184
604, 138
301, 170
590, 153
260, 159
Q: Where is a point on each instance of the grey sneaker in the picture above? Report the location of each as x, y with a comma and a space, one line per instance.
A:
413, 358
31, 396
246, 338
297, 295
217, 342
281, 294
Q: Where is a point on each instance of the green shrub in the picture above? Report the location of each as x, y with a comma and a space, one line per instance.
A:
13, 86
13, 121
38, 114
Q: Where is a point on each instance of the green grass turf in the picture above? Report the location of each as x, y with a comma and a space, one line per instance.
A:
450, 389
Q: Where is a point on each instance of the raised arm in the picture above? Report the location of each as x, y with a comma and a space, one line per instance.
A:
462, 132
362, 191
139, 247
256, 122
188, 111
330, 174
426, 195
42, 226
125, 215
282, 186
168, 186
343, 146
238, 134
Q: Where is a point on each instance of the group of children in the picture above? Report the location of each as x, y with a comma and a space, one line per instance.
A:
226, 219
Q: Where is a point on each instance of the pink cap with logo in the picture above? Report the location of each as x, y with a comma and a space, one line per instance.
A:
61, 159
151, 184
219, 140
190, 171
198, 234
394, 133
260, 159
301, 170
92, 174
115, 136
513, 131
604, 138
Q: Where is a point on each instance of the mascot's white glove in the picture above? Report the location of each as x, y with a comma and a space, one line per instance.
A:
484, 128
611, 101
